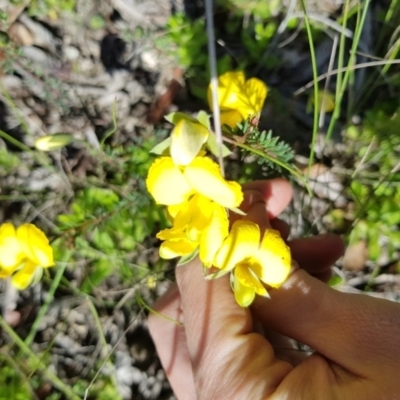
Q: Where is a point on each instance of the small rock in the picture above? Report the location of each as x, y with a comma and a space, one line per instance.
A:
150, 388
355, 256
21, 34
71, 53
149, 60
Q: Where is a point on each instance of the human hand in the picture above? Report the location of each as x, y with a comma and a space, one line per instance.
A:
223, 351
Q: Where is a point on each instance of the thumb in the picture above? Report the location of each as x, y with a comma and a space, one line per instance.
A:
221, 343
358, 332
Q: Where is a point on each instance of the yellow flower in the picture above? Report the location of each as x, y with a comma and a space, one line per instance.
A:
253, 263
238, 98
23, 253
53, 142
11, 253
200, 222
170, 184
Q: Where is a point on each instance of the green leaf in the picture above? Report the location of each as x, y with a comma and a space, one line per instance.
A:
213, 146
204, 119
161, 148
103, 240
97, 22
335, 280
373, 244
8, 161
99, 196
175, 117
101, 270
69, 220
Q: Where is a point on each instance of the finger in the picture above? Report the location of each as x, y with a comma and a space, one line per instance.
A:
258, 215
170, 341
285, 348
280, 226
317, 254
357, 332
276, 193
251, 197
221, 342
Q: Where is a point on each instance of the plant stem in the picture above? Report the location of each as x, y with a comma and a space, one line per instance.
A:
315, 80
49, 298
65, 389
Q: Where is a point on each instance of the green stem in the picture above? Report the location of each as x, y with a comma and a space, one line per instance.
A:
15, 142
65, 389
260, 153
343, 85
43, 310
14, 108
342, 45
103, 341
315, 80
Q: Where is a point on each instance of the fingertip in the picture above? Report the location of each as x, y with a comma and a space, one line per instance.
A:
277, 194
281, 226
316, 254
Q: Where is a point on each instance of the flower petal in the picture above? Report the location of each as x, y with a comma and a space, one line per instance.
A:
242, 243
274, 259
244, 295
11, 252
35, 245
171, 233
187, 139
204, 176
200, 212
24, 277
173, 210
231, 118
247, 277
229, 85
213, 235
176, 248
166, 183
238, 98
53, 142
194, 216
256, 92
5, 273
232, 78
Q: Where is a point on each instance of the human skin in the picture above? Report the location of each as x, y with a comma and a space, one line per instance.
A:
222, 351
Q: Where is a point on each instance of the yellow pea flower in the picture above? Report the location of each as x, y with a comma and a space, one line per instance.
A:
24, 252
35, 245
11, 253
238, 98
170, 184
253, 262
53, 142
199, 223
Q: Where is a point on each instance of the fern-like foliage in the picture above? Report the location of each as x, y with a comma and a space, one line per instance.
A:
270, 150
